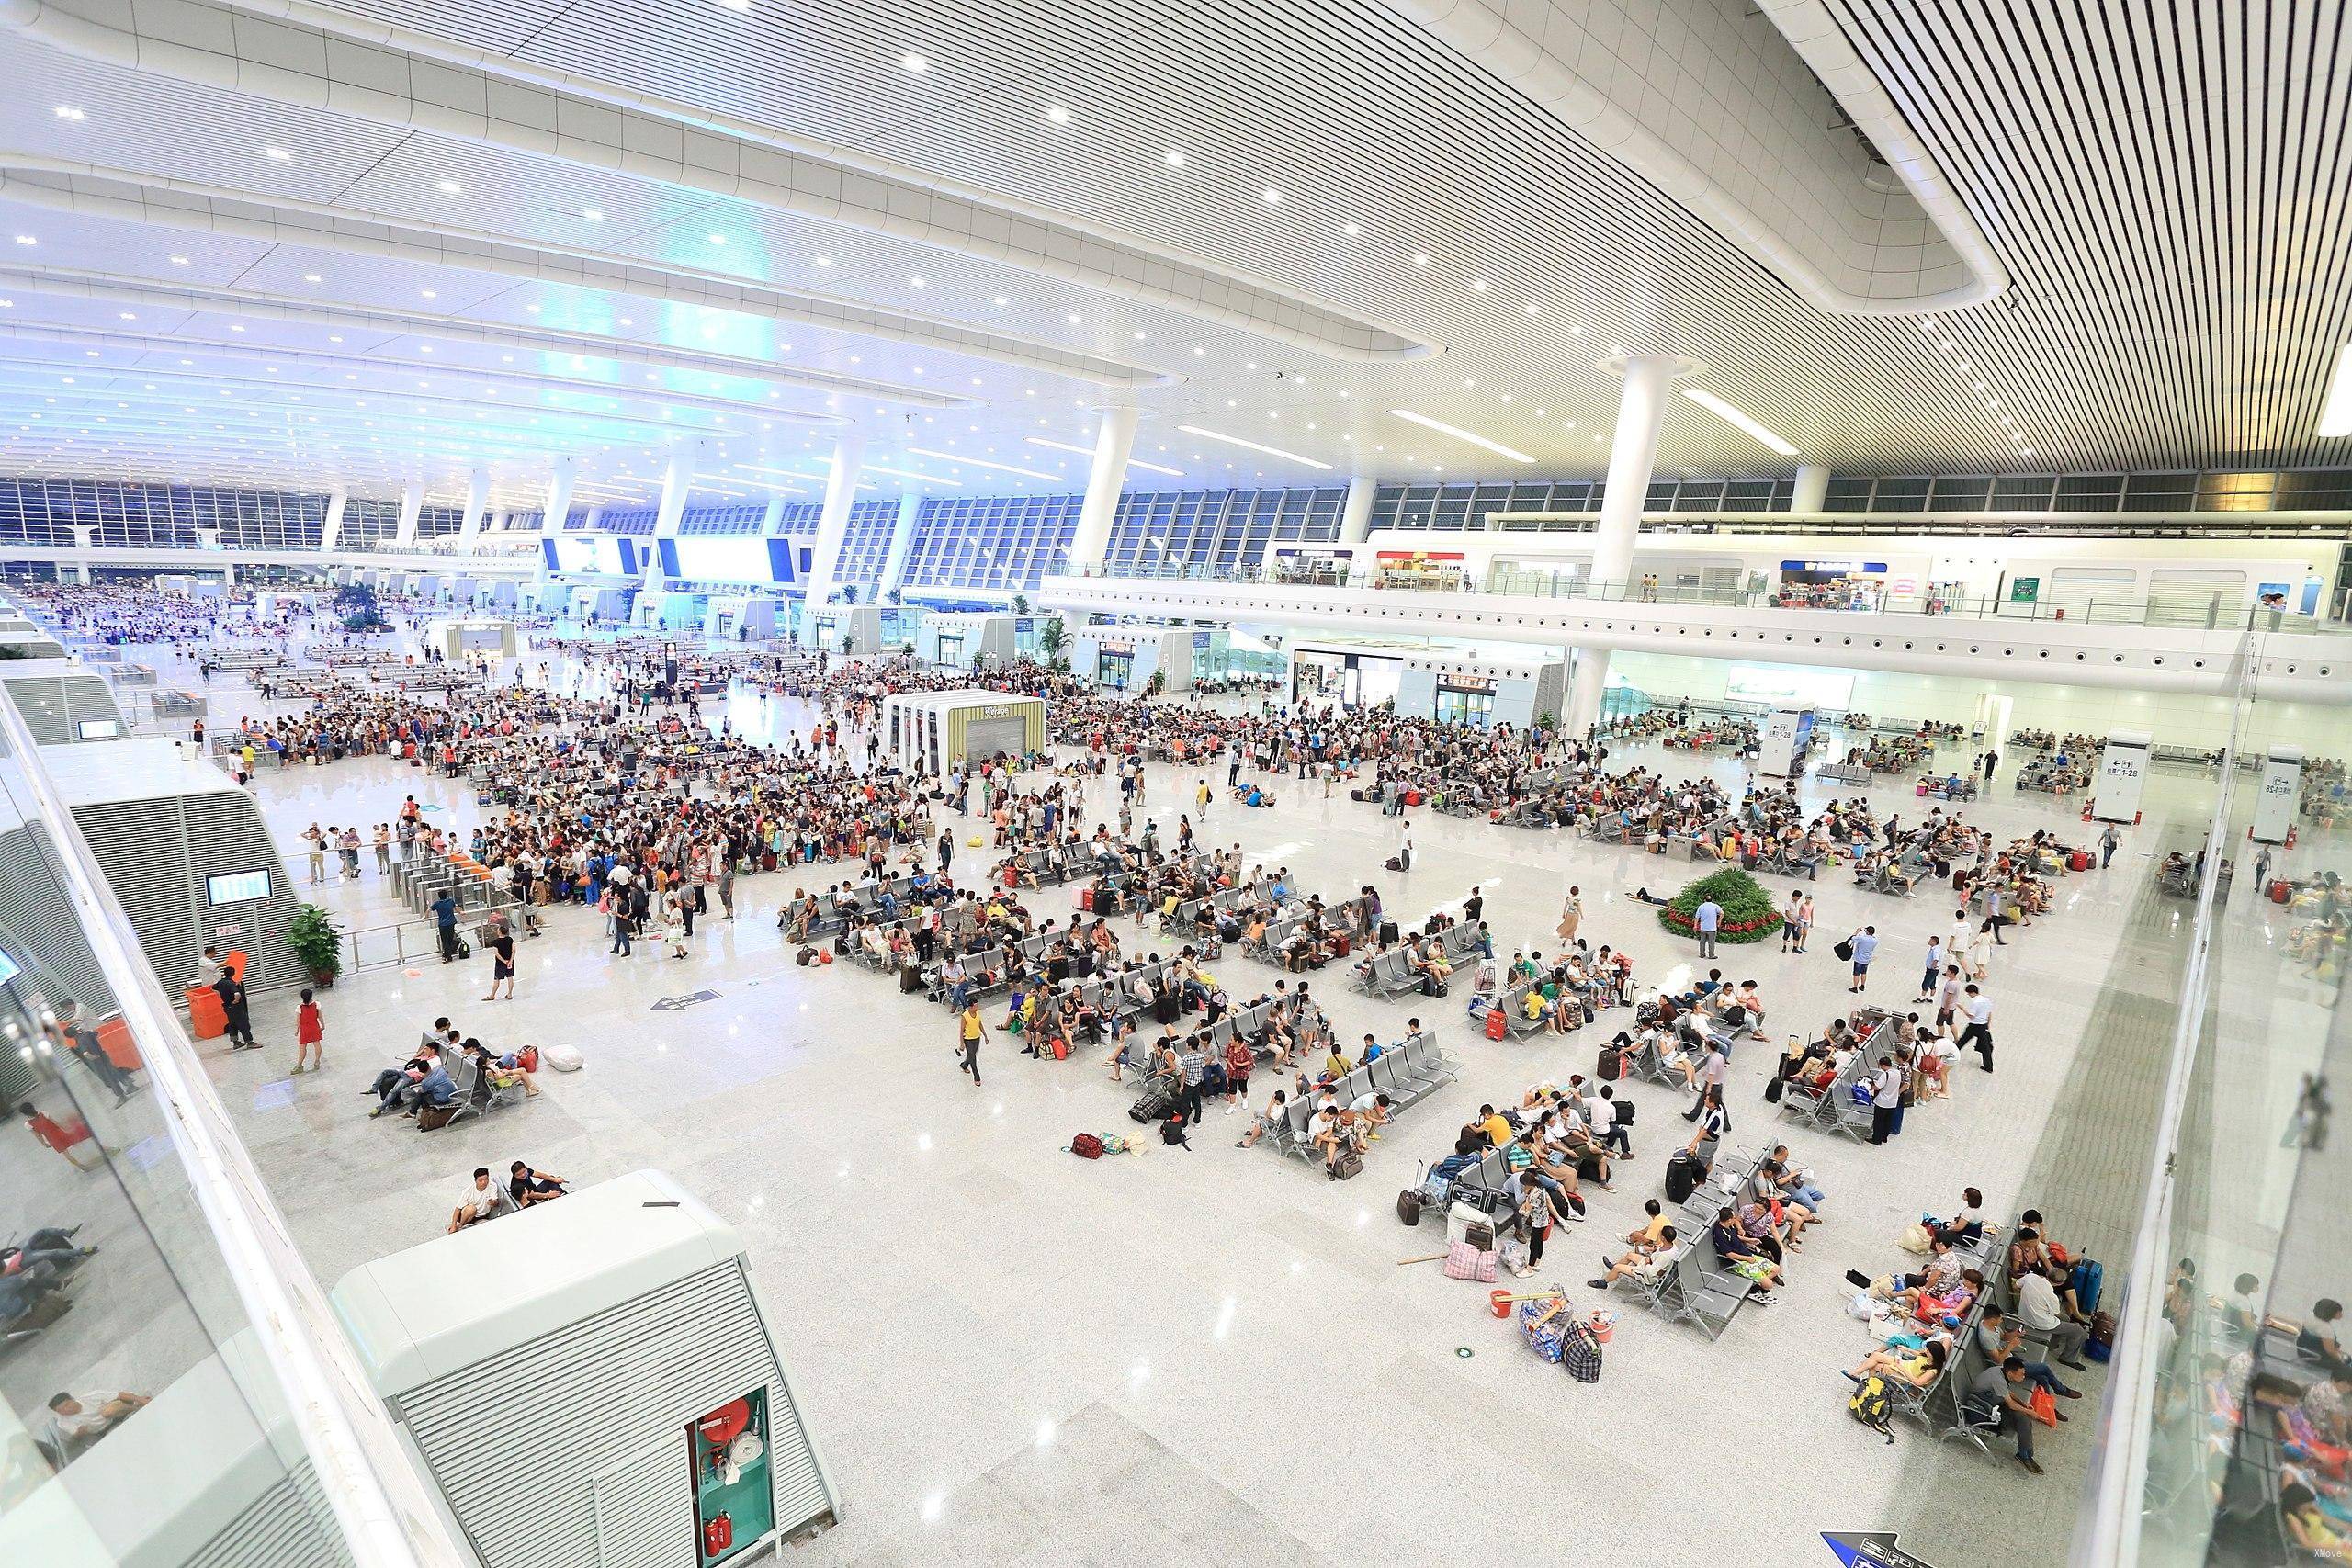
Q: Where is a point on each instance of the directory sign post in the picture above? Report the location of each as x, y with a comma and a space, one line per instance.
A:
2122, 772
2274, 804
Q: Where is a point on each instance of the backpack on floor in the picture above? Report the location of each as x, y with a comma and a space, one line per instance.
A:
1869, 1405
1086, 1146
562, 1058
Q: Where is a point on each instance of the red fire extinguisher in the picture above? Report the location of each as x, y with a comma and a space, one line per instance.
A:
718, 1534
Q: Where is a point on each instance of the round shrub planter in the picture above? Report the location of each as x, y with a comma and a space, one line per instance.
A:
1748, 911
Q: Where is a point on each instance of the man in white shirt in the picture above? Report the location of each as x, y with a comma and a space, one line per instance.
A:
77, 1419
2038, 1310
1886, 1093
1977, 1008
477, 1203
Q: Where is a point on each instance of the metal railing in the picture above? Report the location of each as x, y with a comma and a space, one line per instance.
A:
403, 942
2211, 613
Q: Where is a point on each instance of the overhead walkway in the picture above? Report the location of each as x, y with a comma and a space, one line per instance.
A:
2163, 646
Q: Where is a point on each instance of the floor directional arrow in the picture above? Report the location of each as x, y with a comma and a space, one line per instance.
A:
1871, 1549
679, 1004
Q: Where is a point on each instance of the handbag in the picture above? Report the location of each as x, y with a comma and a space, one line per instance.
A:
1464, 1261
2044, 1405
1844, 950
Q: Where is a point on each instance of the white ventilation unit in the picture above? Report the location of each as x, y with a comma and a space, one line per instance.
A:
602, 1335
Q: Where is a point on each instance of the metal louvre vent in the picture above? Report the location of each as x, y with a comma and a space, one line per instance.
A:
225, 834
280, 1530
156, 853
52, 705
605, 1399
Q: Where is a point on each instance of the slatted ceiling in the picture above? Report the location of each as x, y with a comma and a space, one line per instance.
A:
43, 933
597, 1397
2181, 274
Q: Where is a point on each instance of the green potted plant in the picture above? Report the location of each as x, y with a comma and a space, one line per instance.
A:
1750, 914
1052, 637
1157, 684
1020, 603
313, 937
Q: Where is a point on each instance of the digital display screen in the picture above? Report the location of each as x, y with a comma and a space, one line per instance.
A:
97, 728
613, 558
729, 560
1783, 687
237, 886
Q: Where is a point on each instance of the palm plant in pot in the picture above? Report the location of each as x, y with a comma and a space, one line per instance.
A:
312, 936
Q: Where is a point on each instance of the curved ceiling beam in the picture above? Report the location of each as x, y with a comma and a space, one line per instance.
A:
1481, 34
124, 291
149, 343
598, 125
530, 261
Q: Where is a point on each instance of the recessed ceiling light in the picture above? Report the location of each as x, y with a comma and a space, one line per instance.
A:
737, 4
717, 239
592, 215
915, 62
1731, 415
310, 278
916, 281
26, 240
1175, 159
1057, 114
1352, 229
67, 111
451, 188
179, 261
278, 154
1270, 196
1421, 258
1478, 283
1139, 337
1252, 446
1075, 318
1460, 435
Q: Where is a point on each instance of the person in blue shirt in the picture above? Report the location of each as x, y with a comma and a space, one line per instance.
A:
1865, 943
1709, 919
444, 920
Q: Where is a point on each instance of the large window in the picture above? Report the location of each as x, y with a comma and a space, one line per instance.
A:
1191, 529
47, 511
865, 544
368, 523
1005, 542
1457, 507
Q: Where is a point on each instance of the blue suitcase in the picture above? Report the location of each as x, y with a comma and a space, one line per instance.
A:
2086, 1283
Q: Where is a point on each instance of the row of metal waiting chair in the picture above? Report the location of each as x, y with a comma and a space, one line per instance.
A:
1836, 1109
1391, 973
1405, 1073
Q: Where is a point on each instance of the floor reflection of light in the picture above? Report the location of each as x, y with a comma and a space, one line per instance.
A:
1225, 1318
932, 1506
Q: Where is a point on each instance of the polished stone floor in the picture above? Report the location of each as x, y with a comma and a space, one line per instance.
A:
1218, 1356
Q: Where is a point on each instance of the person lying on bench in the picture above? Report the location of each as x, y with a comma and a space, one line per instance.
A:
1919, 1369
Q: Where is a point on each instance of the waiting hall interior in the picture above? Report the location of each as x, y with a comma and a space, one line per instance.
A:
1351, 782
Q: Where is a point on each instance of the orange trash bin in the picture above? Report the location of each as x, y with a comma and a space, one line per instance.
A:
114, 1039
206, 1017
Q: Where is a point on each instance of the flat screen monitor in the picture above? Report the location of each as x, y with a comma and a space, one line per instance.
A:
237, 886
97, 728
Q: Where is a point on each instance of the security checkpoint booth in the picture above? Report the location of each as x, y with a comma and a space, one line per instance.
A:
931, 732
960, 639
851, 630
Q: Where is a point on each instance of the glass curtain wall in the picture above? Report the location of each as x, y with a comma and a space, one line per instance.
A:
173, 1389
2226, 1439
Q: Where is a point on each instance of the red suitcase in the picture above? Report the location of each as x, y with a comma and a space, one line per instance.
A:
2279, 891
1497, 1025
1086, 899
2079, 861
1412, 797
1341, 946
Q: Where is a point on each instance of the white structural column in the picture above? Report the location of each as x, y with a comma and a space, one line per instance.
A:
771, 520
1105, 481
1355, 517
902, 537
558, 501
833, 522
85, 533
477, 508
677, 483
412, 505
1641, 412
330, 529
1813, 488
